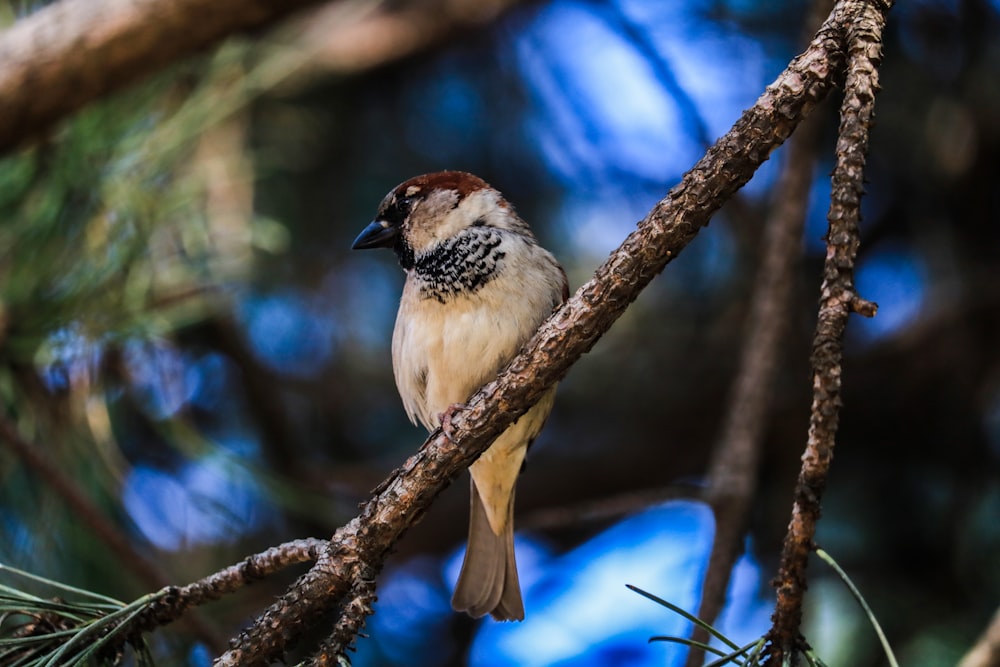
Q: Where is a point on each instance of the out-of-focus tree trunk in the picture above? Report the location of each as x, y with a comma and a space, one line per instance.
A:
73, 52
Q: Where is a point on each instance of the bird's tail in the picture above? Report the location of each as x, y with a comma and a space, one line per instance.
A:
488, 581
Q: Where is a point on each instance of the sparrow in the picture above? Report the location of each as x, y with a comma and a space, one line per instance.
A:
478, 285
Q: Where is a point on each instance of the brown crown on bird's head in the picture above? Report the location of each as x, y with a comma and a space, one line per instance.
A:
423, 211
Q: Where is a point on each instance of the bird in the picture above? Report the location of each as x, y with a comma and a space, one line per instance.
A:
477, 287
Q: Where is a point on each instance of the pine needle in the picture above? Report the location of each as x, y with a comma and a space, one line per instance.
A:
689, 616
828, 559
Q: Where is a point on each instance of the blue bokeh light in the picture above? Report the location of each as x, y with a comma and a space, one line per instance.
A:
579, 611
209, 379
411, 616
289, 332
630, 92
206, 501
18, 537
363, 296
895, 278
66, 358
158, 376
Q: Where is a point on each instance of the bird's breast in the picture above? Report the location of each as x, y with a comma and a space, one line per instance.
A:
461, 265
467, 308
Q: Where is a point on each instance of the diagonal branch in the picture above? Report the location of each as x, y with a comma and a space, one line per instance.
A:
838, 299
73, 52
986, 651
362, 545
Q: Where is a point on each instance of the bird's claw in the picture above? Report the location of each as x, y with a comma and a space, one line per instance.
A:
445, 419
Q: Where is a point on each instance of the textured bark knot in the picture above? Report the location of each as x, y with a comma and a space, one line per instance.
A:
864, 307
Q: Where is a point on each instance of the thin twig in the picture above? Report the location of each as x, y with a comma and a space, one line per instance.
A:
732, 471
837, 300
115, 623
251, 569
333, 651
563, 339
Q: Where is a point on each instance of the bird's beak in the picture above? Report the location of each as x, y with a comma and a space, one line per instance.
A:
378, 234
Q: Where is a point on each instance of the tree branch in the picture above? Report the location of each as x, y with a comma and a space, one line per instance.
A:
361, 546
838, 299
251, 569
733, 469
73, 52
348, 627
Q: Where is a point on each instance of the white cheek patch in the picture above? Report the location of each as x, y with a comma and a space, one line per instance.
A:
477, 206
438, 216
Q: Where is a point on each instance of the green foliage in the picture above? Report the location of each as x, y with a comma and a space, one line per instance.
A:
738, 655
109, 228
49, 631
126, 224
828, 559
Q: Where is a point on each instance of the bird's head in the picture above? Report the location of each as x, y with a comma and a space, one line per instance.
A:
425, 211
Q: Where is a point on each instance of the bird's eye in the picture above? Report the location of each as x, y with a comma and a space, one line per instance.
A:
397, 209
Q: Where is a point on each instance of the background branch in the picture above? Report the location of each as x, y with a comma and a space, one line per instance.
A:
986, 651
363, 544
732, 474
733, 468
607, 508
837, 300
76, 51
84, 508
73, 52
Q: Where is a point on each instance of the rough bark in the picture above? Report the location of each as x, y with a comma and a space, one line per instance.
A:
178, 599
863, 40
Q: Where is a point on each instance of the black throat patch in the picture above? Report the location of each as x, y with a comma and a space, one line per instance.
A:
460, 265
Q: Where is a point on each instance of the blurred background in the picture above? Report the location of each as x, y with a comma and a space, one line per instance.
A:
188, 341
